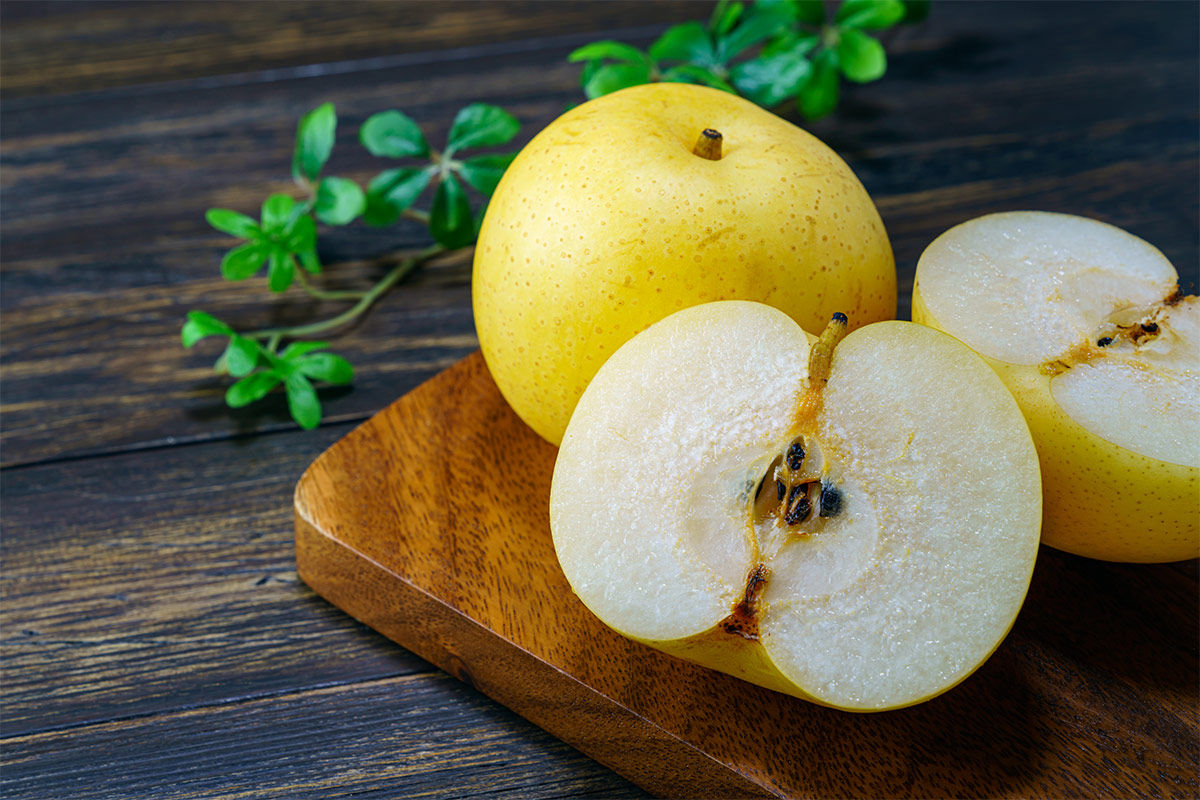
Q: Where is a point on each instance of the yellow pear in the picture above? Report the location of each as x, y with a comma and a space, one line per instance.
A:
652, 199
1084, 324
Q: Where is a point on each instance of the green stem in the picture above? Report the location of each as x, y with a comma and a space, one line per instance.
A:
368, 299
417, 214
321, 294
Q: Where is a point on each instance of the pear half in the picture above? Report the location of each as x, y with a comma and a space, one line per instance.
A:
853, 523
1084, 323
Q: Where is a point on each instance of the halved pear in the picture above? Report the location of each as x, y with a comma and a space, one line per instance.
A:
1084, 323
853, 523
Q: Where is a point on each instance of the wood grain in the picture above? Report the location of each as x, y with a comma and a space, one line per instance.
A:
414, 736
91, 201
179, 577
429, 523
159, 644
71, 46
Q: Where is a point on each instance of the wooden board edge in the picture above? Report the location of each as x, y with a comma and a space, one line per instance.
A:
614, 735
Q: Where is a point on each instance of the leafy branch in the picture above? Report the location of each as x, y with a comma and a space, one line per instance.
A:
284, 239
803, 54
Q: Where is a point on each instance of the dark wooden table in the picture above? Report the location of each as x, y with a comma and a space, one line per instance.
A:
155, 640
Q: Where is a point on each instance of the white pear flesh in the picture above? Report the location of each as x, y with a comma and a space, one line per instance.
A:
894, 600
1117, 425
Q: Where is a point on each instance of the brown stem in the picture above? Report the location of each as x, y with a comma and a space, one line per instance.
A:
708, 145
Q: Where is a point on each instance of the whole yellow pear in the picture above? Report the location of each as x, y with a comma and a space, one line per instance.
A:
652, 199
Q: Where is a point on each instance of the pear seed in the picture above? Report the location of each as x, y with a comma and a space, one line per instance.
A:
831, 501
798, 507
780, 489
795, 457
1104, 341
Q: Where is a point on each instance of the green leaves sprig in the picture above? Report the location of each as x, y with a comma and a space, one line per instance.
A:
284, 238
803, 54
261, 369
391, 134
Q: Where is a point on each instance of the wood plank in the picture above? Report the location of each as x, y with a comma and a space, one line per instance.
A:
1093, 693
83, 376
424, 736
150, 582
72, 47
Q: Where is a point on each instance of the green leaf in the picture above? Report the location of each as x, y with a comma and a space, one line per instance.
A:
314, 142
686, 42
450, 219
392, 191
281, 270
392, 134
302, 402
241, 356
339, 201
764, 20
610, 49
379, 212
484, 172
243, 261
327, 367
301, 235
585, 75
251, 388
297, 349
277, 212
614, 77
915, 11
861, 56
199, 325
810, 11
769, 80
690, 73
310, 262
819, 95
724, 16
789, 41
233, 223
870, 14
481, 125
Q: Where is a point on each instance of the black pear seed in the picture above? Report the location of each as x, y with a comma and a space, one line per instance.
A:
781, 489
795, 456
798, 505
1104, 342
831, 501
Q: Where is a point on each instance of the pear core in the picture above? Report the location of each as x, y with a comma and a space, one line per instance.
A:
892, 600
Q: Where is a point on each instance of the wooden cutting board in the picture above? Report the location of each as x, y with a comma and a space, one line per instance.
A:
429, 523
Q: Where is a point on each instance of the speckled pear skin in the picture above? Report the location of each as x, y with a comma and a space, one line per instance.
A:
607, 222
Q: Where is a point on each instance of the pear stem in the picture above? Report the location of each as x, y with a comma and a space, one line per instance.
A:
821, 357
708, 145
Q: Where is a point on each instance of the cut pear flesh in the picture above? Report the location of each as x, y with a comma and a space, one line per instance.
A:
1037, 288
1084, 323
898, 594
